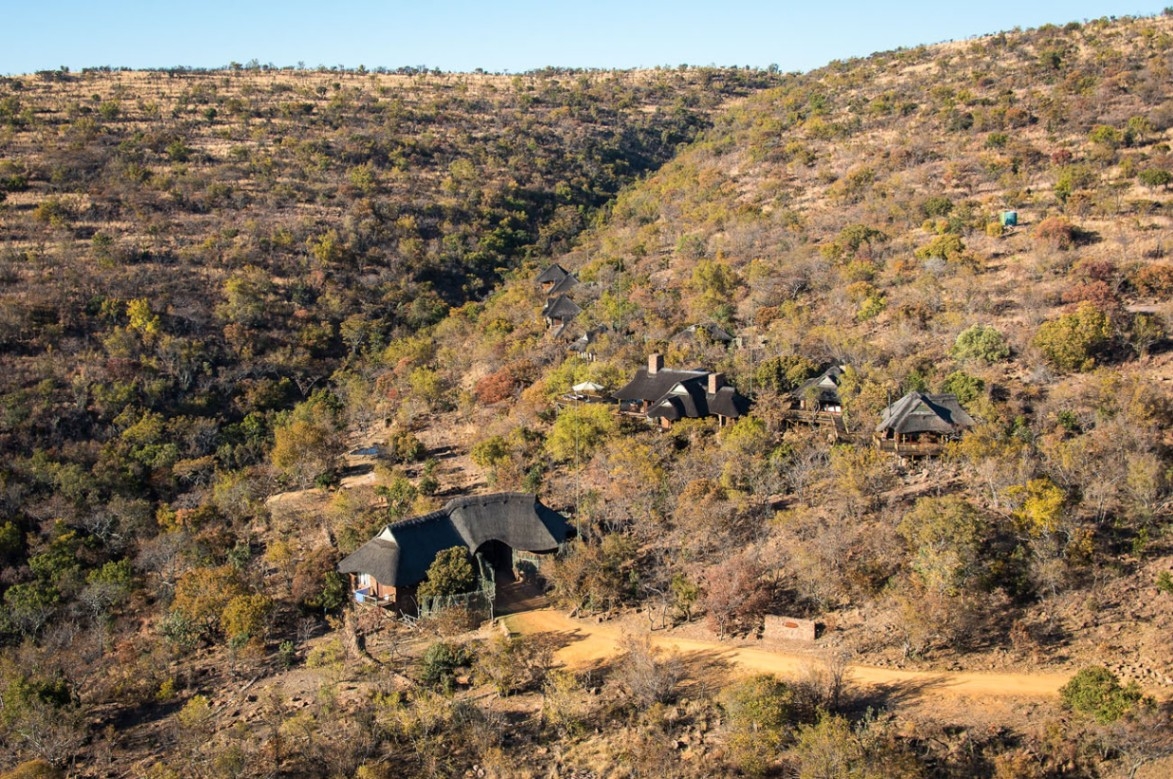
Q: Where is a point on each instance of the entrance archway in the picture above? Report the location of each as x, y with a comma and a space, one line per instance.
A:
499, 556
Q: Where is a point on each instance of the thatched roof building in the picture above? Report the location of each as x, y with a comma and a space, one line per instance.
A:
919, 416
399, 556
670, 395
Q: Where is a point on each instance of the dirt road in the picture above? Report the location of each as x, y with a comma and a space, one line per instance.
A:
587, 643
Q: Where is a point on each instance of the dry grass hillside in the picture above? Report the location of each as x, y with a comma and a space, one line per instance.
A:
217, 284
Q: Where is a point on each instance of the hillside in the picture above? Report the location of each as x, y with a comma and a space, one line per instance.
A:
217, 284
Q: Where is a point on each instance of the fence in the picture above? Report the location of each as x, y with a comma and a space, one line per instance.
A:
479, 601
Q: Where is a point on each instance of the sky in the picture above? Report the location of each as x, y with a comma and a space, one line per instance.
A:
505, 36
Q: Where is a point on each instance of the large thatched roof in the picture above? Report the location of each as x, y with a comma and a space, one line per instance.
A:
653, 386
676, 394
401, 553
918, 412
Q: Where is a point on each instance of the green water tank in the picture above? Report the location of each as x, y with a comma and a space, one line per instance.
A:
1009, 218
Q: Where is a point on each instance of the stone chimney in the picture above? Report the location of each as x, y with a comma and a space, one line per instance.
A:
655, 363
716, 382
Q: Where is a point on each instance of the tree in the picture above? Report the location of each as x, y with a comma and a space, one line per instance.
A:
594, 575
944, 247
945, 537
966, 387
1146, 330
760, 715
832, 749
647, 673
451, 573
1039, 506
1073, 341
305, 443
862, 473
1155, 177
202, 594
515, 664
981, 342
735, 594
1072, 178
246, 295
782, 374
1097, 692
439, 663
27, 607
851, 240
1055, 233
579, 430
244, 616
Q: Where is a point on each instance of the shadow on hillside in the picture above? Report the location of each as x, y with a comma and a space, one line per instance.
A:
890, 694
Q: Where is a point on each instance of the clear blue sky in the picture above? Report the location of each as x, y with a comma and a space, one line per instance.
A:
507, 35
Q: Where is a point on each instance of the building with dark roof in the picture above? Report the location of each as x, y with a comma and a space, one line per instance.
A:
388, 568
567, 283
669, 395
920, 423
559, 312
552, 275
707, 331
821, 394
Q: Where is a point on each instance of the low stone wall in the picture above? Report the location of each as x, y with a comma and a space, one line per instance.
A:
789, 628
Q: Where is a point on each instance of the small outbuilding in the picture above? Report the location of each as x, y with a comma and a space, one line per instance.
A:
559, 312
821, 394
552, 276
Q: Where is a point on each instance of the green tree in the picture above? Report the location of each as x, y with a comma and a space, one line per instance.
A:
981, 342
1072, 342
490, 452
713, 283
967, 388
579, 430
202, 594
1097, 692
760, 714
945, 247
850, 240
945, 538
244, 616
246, 297
1155, 177
832, 749
784, 373
27, 607
439, 663
1145, 331
451, 573
1072, 178
302, 451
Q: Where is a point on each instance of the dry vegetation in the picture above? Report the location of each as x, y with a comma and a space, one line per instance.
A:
214, 283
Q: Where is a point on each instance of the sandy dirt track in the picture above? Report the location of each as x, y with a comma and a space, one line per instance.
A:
587, 643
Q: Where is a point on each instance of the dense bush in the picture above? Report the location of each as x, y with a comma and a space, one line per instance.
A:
1074, 341
1097, 692
981, 342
